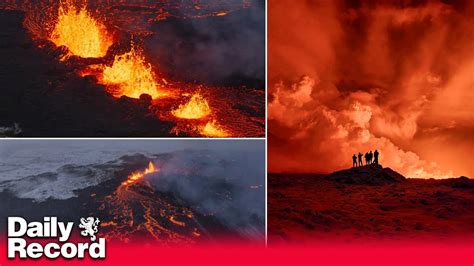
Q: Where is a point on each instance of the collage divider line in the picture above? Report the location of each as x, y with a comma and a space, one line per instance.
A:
266, 123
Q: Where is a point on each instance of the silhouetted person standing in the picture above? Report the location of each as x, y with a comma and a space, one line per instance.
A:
360, 159
366, 158
370, 157
354, 160
376, 157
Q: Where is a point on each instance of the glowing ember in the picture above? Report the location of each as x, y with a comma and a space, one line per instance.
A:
196, 108
212, 129
134, 177
173, 220
83, 35
132, 75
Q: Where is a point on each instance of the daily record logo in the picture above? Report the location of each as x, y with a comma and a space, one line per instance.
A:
18, 247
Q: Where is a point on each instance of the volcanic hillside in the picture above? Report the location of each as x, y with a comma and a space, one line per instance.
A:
373, 174
368, 203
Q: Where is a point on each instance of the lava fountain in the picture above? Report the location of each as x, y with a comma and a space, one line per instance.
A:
213, 129
131, 75
136, 176
196, 108
83, 35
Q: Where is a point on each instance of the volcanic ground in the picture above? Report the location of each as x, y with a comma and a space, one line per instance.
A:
368, 203
44, 95
181, 207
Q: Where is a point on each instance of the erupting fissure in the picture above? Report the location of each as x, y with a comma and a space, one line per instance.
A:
81, 29
134, 177
82, 34
196, 108
131, 74
137, 210
212, 129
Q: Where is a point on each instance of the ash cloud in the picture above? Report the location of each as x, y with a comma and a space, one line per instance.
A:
392, 76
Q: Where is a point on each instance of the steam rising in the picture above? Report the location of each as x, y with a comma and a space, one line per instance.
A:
356, 77
224, 51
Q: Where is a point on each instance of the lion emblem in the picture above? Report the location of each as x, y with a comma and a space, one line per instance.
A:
90, 227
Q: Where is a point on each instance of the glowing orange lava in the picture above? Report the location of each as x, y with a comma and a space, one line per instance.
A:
135, 210
83, 35
87, 30
196, 108
134, 177
212, 129
132, 74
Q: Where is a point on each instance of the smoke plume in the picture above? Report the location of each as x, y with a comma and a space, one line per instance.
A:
226, 184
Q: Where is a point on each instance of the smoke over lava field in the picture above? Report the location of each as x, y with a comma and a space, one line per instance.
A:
133, 68
354, 76
143, 192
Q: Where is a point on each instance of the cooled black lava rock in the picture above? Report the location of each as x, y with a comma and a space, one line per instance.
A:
373, 174
460, 182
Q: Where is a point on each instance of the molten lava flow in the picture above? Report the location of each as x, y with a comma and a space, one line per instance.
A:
134, 177
83, 35
137, 210
132, 75
212, 129
196, 108
104, 54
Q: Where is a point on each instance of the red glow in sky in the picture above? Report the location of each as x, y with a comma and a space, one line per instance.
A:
350, 76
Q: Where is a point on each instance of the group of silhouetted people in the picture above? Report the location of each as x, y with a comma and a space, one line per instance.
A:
369, 157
